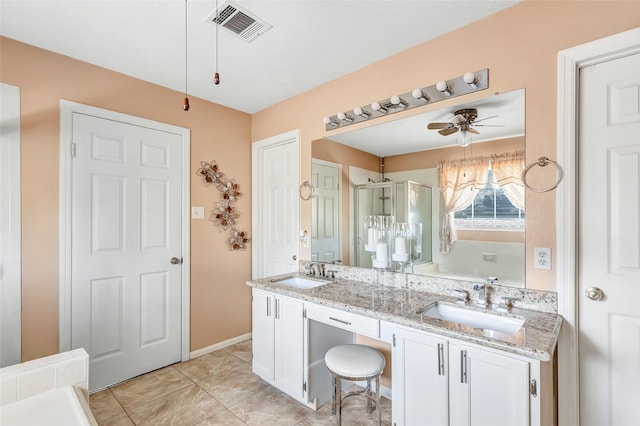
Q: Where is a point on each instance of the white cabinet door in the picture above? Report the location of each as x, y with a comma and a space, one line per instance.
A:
263, 334
487, 388
289, 341
278, 341
419, 381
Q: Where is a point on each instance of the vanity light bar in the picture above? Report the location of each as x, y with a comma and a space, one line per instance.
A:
463, 85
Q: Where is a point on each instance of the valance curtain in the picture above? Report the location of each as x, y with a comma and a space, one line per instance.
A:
459, 183
461, 180
507, 175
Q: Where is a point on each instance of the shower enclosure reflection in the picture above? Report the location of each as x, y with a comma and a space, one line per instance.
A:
405, 202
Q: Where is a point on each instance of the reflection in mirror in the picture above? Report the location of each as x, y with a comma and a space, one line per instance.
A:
489, 225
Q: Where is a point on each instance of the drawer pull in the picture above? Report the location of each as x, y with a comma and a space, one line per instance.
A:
339, 320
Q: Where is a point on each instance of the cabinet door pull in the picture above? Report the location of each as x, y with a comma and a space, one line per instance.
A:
277, 308
268, 306
339, 320
463, 366
440, 359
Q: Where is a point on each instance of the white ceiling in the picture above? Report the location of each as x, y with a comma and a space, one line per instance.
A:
311, 42
410, 134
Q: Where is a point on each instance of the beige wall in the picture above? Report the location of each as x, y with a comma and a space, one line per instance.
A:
220, 301
519, 46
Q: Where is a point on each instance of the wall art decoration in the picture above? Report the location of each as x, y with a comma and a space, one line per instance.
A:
225, 214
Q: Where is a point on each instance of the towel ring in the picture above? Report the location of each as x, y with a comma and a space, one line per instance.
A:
542, 162
303, 185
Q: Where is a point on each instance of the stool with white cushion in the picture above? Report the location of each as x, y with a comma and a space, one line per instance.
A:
355, 363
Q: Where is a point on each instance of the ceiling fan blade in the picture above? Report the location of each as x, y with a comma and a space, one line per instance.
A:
474, 131
433, 126
485, 118
487, 125
458, 119
449, 131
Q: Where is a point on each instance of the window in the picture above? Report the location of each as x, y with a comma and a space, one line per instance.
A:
491, 209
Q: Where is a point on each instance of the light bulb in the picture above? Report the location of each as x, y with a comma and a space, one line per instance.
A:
419, 95
377, 107
398, 101
361, 112
342, 116
443, 87
471, 80
328, 120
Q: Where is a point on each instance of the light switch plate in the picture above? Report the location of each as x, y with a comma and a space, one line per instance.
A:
197, 212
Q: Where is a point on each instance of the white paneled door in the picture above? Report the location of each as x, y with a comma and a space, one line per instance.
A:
609, 243
276, 206
126, 228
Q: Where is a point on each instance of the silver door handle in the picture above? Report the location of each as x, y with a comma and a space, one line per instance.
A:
176, 260
594, 293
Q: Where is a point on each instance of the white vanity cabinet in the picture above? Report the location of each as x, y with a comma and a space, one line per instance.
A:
442, 381
278, 341
487, 388
420, 383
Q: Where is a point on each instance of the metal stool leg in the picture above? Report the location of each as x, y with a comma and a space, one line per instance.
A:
337, 392
378, 401
370, 404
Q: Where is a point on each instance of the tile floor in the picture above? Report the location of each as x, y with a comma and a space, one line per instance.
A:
215, 389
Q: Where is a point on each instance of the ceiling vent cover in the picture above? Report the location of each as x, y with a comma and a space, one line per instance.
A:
239, 21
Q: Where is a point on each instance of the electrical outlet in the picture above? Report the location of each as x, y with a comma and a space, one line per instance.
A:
542, 258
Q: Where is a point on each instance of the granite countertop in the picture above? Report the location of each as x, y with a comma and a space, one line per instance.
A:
536, 339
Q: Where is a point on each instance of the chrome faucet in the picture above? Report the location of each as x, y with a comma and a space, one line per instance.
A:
463, 295
316, 269
483, 298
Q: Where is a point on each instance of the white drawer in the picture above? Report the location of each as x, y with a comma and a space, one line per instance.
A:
355, 323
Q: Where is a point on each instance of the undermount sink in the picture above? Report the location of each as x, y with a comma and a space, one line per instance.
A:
300, 282
475, 319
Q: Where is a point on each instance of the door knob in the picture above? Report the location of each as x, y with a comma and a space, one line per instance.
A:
176, 260
294, 257
594, 293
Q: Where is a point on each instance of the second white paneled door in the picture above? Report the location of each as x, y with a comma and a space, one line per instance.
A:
609, 243
126, 228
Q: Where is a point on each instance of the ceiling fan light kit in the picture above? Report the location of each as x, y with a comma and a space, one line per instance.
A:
470, 82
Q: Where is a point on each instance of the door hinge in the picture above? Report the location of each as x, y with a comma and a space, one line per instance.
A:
73, 149
304, 313
533, 388
394, 340
304, 386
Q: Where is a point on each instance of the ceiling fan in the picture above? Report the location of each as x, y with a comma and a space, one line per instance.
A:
463, 120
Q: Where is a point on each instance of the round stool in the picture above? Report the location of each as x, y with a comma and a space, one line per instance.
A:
355, 362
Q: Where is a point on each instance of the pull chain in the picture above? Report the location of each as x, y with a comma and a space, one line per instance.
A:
185, 103
216, 77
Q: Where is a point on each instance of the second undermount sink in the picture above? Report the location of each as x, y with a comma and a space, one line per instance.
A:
473, 318
300, 282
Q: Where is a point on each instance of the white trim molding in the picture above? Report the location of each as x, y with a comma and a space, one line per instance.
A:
10, 227
570, 61
220, 345
67, 109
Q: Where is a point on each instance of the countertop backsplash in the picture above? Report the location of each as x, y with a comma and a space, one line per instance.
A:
534, 300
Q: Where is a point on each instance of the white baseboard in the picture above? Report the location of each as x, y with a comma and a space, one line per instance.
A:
219, 346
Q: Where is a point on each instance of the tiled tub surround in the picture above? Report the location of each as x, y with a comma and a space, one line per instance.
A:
402, 296
50, 390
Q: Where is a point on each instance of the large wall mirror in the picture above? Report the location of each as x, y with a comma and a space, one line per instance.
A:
391, 169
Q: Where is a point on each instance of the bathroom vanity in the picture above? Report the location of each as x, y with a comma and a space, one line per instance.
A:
452, 363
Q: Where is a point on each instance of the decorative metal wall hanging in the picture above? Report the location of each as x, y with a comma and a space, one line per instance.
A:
224, 215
